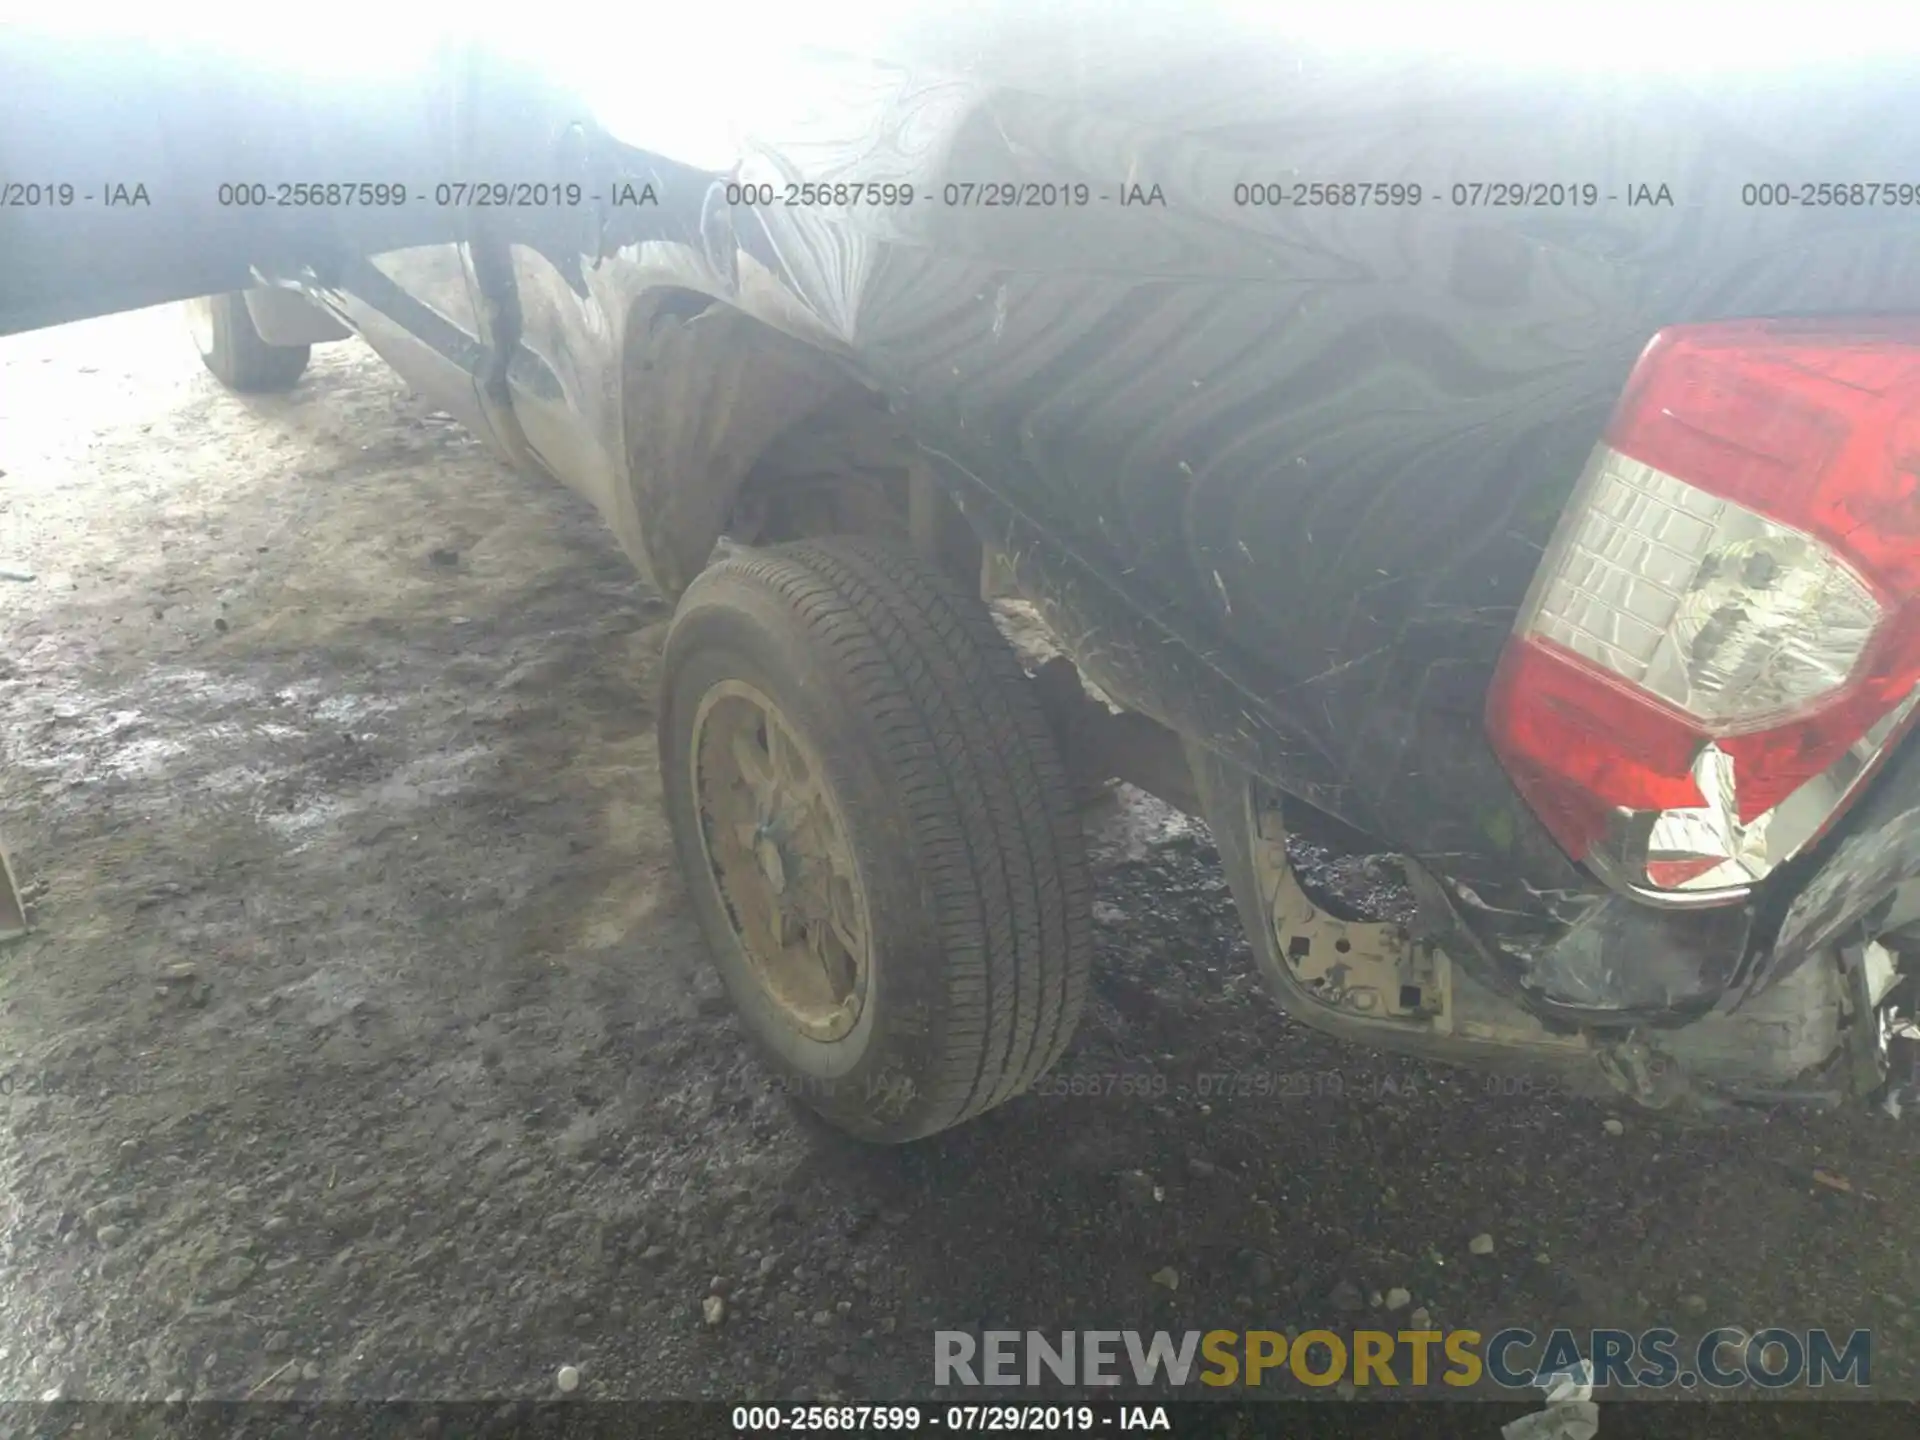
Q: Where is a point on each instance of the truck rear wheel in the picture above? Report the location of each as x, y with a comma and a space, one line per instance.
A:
878, 833
224, 334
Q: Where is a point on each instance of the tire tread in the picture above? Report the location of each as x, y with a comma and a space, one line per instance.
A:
988, 798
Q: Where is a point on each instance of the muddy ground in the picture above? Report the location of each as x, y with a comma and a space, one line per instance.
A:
366, 1047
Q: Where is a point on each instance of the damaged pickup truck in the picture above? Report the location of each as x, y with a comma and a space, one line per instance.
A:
1512, 471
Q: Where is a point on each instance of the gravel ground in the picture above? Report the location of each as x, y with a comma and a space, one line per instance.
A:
366, 1046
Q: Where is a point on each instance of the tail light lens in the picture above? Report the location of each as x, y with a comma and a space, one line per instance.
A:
1723, 638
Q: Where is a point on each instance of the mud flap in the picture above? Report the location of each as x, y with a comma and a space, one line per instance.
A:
13, 914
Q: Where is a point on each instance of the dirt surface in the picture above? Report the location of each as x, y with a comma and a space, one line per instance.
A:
365, 1046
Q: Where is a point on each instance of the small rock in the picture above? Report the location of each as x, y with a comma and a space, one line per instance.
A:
280, 1342
118, 1262
840, 1365
1694, 1304
769, 1263
1137, 1188
1376, 1299
823, 1317
585, 1138
1345, 1390
1420, 1319
227, 1277
444, 557
652, 1254
113, 1235
1106, 913
277, 1225
49, 1396
844, 1307
719, 1286
1398, 1298
1166, 1277
1481, 1244
310, 1371
713, 1310
568, 1379
114, 1207
176, 1396
1204, 1169
1346, 1296
888, 1325
1613, 1126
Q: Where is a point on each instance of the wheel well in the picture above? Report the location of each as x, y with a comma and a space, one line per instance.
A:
739, 429
851, 468
841, 470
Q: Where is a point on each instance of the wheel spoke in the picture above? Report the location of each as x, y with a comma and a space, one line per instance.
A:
755, 766
789, 766
847, 935
843, 917
836, 961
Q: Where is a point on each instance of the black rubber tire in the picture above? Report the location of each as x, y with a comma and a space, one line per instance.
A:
958, 813
232, 349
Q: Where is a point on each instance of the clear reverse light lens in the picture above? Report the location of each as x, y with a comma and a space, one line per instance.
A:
1693, 598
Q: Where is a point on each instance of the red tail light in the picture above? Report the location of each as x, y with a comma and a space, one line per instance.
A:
1723, 638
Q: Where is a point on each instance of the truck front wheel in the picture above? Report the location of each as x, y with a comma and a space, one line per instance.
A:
224, 333
878, 833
